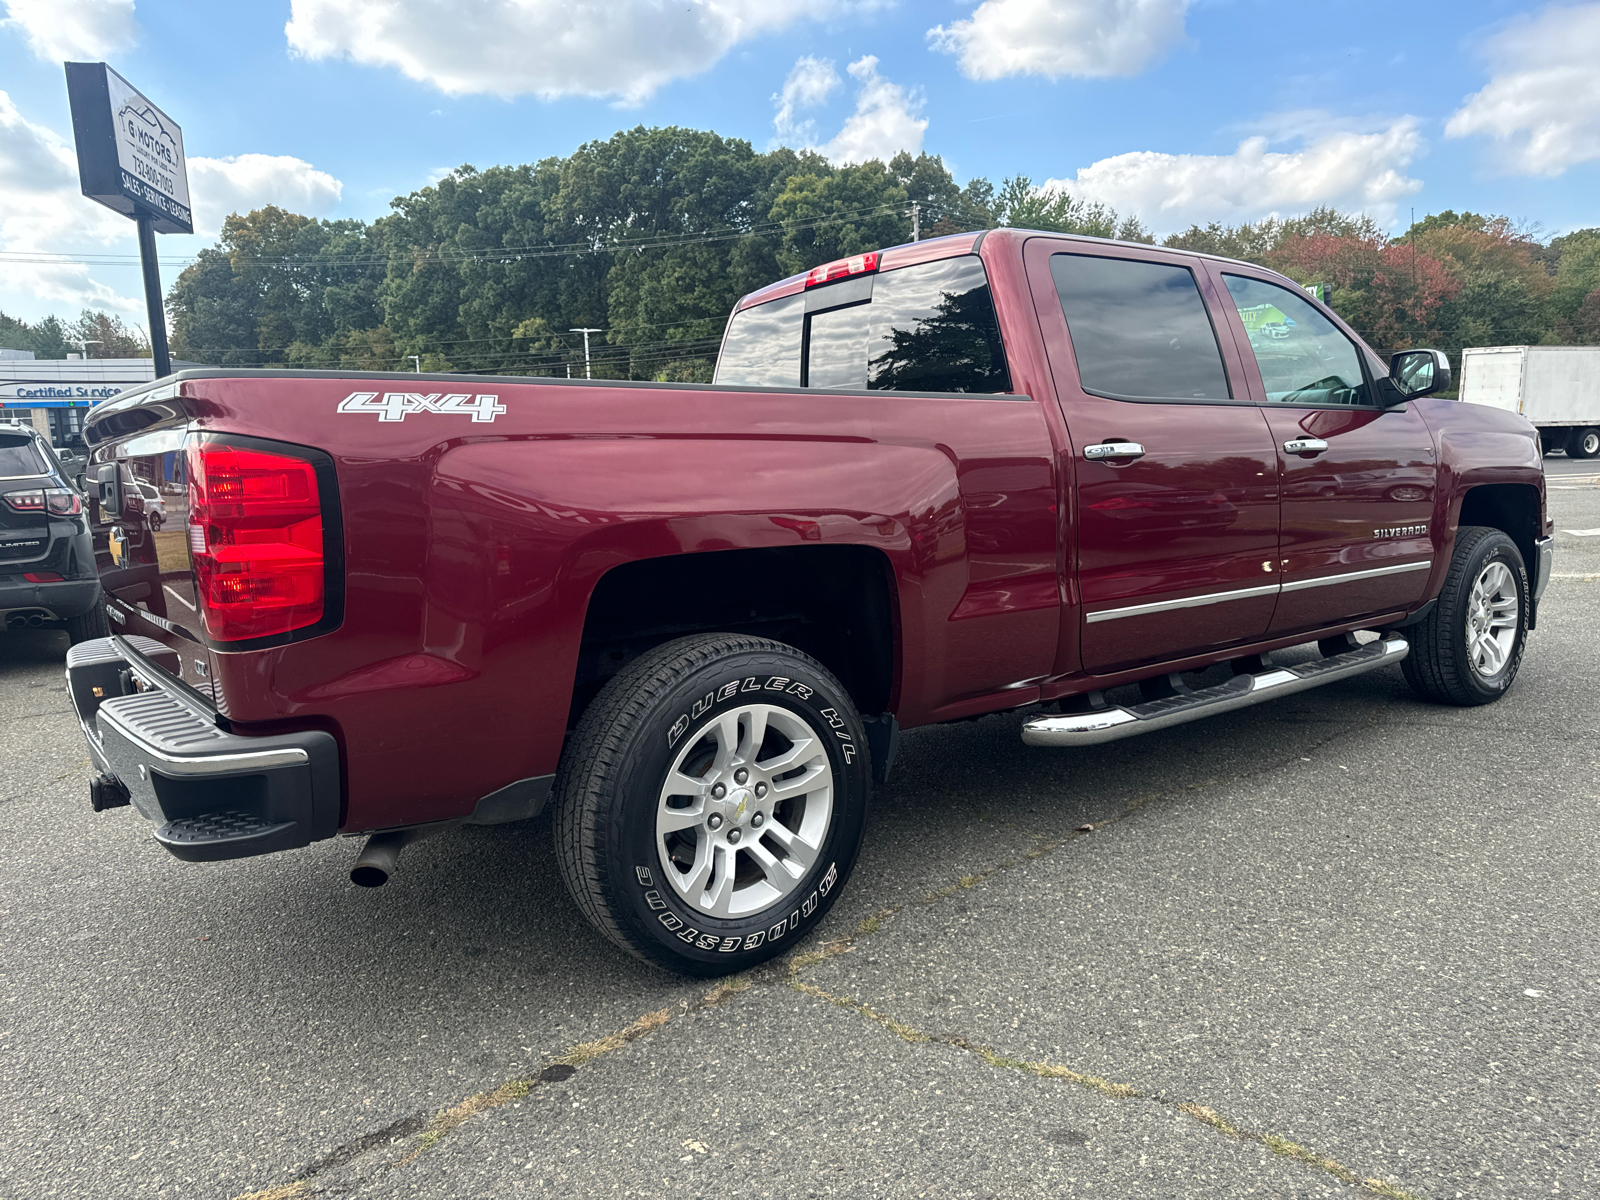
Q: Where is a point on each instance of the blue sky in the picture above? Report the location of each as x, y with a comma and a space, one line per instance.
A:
1177, 111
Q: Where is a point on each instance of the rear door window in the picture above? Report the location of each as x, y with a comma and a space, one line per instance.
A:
1139, 330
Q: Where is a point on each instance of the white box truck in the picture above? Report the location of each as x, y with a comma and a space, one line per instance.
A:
1557, 388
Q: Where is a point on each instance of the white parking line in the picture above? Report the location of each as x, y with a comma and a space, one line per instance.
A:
1583, 532
191, 607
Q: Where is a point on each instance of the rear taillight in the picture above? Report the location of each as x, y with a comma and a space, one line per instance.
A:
255, 541
59, 502
42, 577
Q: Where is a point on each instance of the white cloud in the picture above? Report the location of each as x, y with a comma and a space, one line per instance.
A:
1085, 38
1542, 103
549, 48
1363, 170
73, 30
810, 83
885, 121
241, 183
43, 211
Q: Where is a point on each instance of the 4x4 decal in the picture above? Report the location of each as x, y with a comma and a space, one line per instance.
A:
393, 406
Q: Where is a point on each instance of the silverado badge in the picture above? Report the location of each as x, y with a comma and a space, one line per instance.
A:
1401, 531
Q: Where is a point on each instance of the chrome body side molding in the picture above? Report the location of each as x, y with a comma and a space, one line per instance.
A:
1159, 606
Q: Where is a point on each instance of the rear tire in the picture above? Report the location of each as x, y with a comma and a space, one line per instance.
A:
741, 861
1468, 648
1584, 443
85, 627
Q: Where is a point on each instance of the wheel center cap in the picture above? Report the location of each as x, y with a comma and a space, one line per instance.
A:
739, 802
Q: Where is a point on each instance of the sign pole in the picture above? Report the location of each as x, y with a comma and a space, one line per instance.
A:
152, 296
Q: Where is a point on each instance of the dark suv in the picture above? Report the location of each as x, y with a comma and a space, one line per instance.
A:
47, 568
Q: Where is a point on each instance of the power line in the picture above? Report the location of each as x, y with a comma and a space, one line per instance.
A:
486, 254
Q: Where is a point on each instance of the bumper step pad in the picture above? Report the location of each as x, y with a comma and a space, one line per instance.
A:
216, 828
210, 792
1117, 722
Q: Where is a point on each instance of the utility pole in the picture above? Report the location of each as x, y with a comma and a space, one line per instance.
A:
416, 361
915, 213
1413, 233
586, 331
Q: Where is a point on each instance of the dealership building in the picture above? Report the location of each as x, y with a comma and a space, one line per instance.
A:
56, 394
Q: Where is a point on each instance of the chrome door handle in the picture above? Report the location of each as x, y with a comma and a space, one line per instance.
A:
1114, 450
1305, 445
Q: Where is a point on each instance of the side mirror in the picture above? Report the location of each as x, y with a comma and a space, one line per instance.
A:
108, 478
1416, 373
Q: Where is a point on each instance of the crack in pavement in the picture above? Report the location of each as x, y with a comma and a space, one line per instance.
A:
1278, 1144
770, 974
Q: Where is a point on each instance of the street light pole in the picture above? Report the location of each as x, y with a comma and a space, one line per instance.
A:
85, 343
586, 331
416, 359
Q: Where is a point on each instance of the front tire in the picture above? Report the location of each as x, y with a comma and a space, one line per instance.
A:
1468, 649
711, 802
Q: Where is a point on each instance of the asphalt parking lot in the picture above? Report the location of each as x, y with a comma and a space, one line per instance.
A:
1344, 945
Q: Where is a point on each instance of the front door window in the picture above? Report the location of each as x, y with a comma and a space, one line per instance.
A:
1303, 357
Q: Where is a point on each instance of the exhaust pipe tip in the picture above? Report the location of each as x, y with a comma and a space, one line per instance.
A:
378, 857
368, 876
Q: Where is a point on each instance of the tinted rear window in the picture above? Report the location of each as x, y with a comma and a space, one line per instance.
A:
836, 348
928, 328
933, 329
762, 348
1139, 329
18, 457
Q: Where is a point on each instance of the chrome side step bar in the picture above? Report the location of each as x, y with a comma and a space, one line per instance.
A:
1114, 723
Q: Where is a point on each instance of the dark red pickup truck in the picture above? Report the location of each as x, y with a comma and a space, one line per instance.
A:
991, 471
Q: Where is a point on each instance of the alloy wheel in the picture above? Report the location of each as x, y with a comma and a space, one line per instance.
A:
745, 810
1492, 614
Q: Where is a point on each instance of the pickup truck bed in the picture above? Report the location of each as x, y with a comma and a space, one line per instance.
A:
980, 473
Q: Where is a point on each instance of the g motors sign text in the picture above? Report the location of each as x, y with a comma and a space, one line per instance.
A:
130, 153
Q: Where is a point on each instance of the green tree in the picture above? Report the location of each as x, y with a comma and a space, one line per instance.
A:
1577, 258
278, 288
834, 214
1503, 288
47, 338
106, 336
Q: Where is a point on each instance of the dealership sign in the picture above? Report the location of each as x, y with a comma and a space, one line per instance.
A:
130, 153
59, 395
